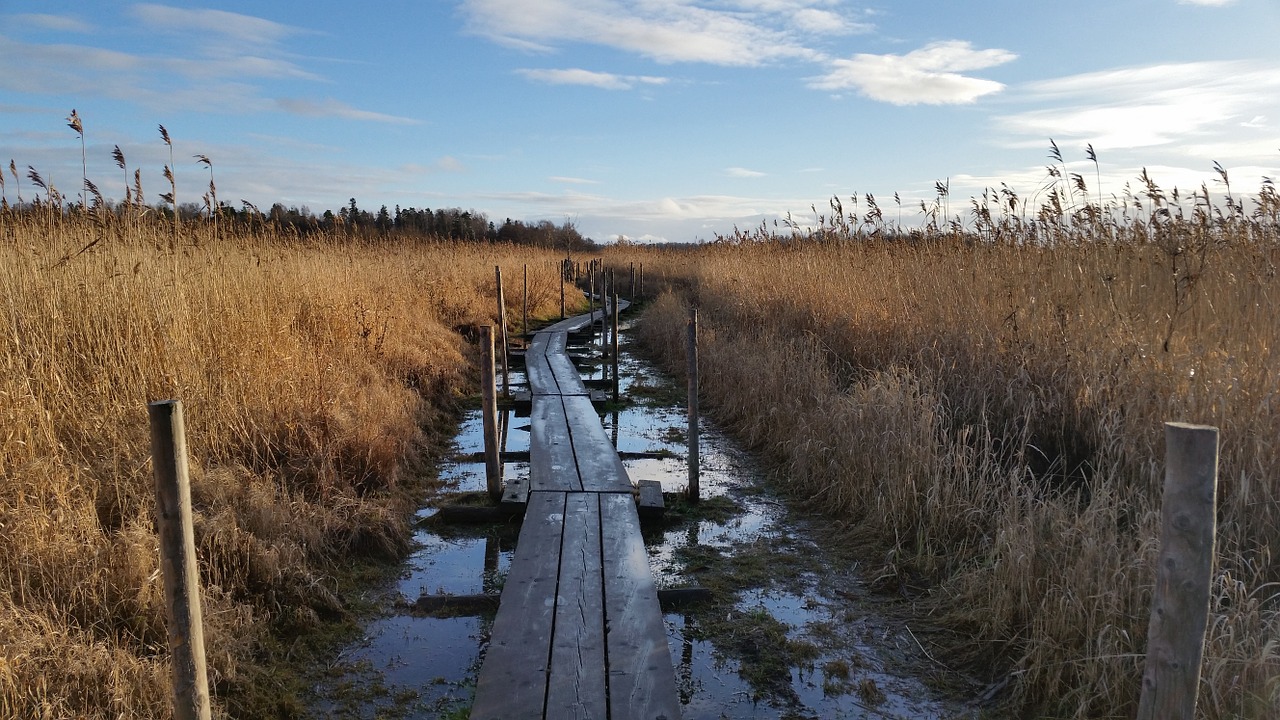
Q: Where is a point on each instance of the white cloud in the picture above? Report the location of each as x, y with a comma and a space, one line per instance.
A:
743, 173
826, 22
1206, 3
664, 30
335, 108
590, 78
448, 163
1153, 105
930, 75
212, 28
572, 180
214, 68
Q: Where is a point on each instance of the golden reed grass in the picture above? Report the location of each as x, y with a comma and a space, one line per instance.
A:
318, 376
989, 406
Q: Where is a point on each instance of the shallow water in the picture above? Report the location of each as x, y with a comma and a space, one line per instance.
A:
860, 665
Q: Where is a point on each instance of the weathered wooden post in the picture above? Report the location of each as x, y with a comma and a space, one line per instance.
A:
606, 285
178, 560
615, 345
633, 283
489, 392
641, 280
524, 322
591, 294
502, 333
692, 353
1180, 605
564, 270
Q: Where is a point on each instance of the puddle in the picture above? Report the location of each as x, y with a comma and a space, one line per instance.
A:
789, 636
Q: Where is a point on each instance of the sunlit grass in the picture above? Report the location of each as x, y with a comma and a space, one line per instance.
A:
318, 376
985, 395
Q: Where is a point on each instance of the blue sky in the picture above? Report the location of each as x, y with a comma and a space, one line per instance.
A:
654, 119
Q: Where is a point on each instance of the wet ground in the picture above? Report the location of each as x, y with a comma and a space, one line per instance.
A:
792, 632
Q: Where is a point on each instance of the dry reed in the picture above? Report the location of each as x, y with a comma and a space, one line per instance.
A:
987, 400
318, 377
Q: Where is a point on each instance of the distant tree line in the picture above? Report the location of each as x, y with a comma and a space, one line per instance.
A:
453, 224
445, 224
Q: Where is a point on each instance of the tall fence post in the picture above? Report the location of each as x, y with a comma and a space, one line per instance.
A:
605, 328
564, 270
502, 333
615, 345
524, 322
640, 280
591, 294
1184, 571
178, 560
692, 353
632, 298
489, 393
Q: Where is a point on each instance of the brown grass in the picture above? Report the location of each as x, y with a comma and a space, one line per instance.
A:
988, 402
317, 378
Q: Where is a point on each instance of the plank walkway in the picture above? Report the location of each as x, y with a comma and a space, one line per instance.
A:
579, 632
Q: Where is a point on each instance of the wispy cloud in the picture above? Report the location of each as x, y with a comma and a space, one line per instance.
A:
224, 44
739, 172
57, 23
1152, 105
931, 75
1206, 3
826, 22
577, 76
214, 28
572, 180
335, 108
733, 33
445, 164
218, 65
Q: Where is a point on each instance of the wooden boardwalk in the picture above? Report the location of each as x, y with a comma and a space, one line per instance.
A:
579, 633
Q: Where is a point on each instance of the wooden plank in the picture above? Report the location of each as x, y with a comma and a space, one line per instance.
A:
670, 599
600, 468
567, 376
537, 368
551, 463
513, 679
642, 682
651, 504
515, 494
569, 325
478, 513
568, 379
576, 688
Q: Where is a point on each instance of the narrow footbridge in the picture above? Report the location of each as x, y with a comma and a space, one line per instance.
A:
579, 632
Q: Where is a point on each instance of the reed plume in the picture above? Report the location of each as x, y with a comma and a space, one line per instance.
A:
73, 122
172, 196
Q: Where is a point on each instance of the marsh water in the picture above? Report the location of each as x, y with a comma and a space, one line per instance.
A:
793, 630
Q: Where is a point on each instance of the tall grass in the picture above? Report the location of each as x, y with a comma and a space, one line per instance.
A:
984, 398
317, 378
